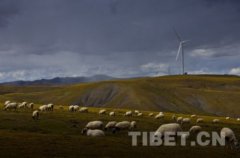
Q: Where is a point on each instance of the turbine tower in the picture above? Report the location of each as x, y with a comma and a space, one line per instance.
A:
182, 43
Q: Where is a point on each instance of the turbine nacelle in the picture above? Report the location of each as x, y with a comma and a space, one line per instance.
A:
184, 42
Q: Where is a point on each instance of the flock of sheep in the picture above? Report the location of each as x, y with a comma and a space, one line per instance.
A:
97, 128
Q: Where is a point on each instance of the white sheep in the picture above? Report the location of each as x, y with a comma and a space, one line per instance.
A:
170, 127
110, 125
35, 115
150, 114
195, 129
216, 121
229, 136
43, 108
140, 114
94, 125
227, 118
11, 106
83, 110
199, 120
133, 124
179, 119
123, 125
128, 113
71, 108
30, 105
22, 105
6, 102
186, 121
93, 132
238, 119
75, 108
136, 111
193, 116
159, 116
102, 112
50, 107
112, 113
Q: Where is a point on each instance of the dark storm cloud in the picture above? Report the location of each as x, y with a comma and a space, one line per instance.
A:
8, 9
116, 37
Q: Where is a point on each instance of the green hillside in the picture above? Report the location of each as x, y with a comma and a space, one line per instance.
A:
202, 94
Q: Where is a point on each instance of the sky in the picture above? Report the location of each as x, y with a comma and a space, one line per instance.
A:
120, 38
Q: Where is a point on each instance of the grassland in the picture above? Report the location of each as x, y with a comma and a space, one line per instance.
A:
208, 95
57, 134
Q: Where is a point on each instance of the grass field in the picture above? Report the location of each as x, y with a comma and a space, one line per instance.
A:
207, 94
58, 134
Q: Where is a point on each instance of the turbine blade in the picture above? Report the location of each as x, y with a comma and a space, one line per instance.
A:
186, 41
177, 35
179, 50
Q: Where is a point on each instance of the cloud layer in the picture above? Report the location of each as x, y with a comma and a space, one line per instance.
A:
122, 38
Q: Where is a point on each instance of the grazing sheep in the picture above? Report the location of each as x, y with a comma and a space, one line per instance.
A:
112, 113
93, 132
193, 116
170, 127
71, 108
195, 129
199, 120
136, 111
50, 107
186, 121
110, 125
124, 125
179, 119
30, 105
227, 118
6, 102
133, 124
102, 112
35, 115
75, 108
128, 113
230, 137
94, 125
140, 114
20, 106
83, 110
150, 114
24, 103
11, 106
43, 108
216, 121
238, 119
159, 116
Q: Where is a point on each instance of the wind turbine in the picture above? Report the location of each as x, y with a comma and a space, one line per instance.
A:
182, 43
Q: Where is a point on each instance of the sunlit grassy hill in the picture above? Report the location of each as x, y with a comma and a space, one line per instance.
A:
202, 94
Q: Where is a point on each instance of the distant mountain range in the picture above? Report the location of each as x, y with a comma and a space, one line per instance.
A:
61, 81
